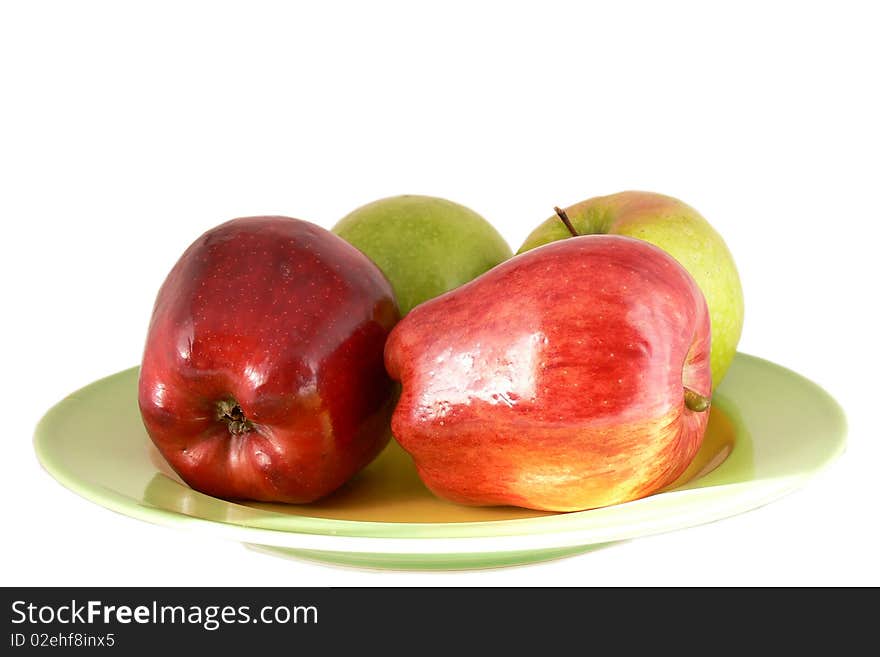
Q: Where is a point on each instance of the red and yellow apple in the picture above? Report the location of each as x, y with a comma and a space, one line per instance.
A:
262, 376
571, 377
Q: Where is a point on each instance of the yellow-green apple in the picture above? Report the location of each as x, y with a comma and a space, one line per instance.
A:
571, 377
425, 245
679, 230
262, 376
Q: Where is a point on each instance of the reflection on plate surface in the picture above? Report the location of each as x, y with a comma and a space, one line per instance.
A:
389, 490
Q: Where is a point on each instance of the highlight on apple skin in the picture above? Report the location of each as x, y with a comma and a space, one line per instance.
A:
679, 230
262, 376
571, 377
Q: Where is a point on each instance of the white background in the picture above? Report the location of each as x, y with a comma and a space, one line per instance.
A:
127, 129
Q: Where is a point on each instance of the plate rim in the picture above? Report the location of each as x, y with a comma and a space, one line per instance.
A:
559, 530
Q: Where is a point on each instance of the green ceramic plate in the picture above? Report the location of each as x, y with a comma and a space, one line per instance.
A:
770, 431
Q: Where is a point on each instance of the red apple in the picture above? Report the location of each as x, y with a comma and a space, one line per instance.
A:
571, 377
262, 376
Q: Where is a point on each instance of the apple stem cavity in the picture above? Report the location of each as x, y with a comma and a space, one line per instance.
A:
563, 215
695, 401
230, 412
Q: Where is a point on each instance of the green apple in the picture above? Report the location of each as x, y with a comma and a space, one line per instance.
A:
425, 245
679, 230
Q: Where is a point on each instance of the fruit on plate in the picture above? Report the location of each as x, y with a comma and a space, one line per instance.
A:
262, 376
679, 230
571, 377
425, 245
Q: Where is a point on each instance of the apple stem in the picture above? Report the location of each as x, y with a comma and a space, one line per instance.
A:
564, 217
695, 401
230, 412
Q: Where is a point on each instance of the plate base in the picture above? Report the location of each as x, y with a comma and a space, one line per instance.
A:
455, 561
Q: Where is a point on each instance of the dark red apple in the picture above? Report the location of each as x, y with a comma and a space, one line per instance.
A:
571, 377
262, 376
